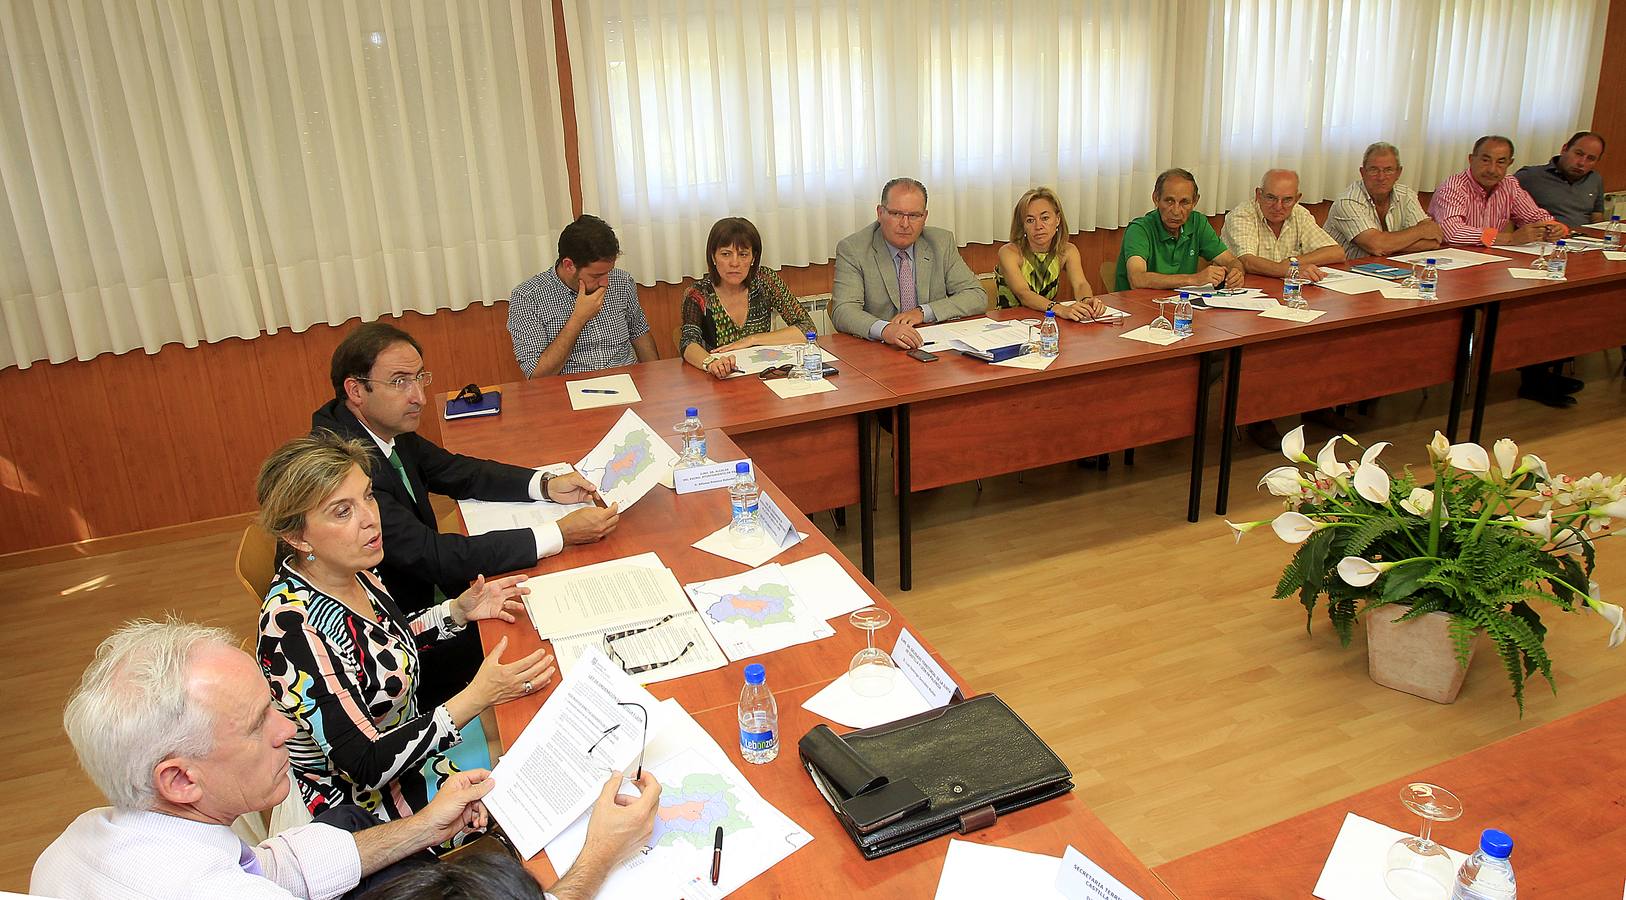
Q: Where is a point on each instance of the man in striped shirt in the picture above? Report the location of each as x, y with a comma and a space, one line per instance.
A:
1481, 205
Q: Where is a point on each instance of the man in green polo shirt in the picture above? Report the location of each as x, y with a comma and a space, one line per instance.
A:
1163, 248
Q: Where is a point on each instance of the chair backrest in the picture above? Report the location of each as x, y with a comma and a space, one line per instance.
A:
991, 288
1109, 275
256, 562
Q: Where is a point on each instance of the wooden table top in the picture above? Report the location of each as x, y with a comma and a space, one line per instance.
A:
667, 524
1559, 789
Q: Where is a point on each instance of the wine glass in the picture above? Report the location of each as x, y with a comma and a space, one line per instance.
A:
872, 670
1162, 321
1540, 262
1418, 868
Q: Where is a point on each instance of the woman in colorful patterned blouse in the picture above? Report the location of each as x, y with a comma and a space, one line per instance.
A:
1039, 253
341, 658
732, 307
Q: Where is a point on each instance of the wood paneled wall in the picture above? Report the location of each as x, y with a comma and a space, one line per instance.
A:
133, 442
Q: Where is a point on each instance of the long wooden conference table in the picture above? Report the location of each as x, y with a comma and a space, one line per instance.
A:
667, 523
958, 419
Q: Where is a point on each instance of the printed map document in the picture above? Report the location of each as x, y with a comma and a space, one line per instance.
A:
548, 779
981, 334
701, 790
629, 461
752, 360
756, 612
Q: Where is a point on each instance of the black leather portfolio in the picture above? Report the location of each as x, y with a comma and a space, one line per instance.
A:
973, 761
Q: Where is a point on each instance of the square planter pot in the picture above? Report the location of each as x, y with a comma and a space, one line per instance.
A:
1416, 656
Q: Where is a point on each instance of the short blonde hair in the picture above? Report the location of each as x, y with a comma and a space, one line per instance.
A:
1019, 233
297, 475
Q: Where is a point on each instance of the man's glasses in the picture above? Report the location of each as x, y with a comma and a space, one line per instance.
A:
599, 752
610, 651
898, 215
403, 383
470, 393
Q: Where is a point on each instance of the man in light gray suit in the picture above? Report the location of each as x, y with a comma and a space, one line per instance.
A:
899, 250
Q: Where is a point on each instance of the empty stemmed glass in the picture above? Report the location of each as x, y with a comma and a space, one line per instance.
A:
1417, 868
872, 670
1540, 262
1162, 321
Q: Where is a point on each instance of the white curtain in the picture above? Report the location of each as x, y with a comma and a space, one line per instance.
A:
1308, 85
192, 170
792, 113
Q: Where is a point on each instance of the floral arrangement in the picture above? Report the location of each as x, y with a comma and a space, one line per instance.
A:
1466, 545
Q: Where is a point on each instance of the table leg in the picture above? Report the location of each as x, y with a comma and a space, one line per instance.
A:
1459, 378
1199, 436
1233, 386
900, 436
1487, 355
866, 491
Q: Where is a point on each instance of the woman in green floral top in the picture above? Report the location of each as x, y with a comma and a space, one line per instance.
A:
732, 307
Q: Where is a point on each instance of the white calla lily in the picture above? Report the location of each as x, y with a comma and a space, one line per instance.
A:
1282, 481
1358, 572
1439, 446
1542, 527
1326, 462
1419, 503
1611, 613
1372, 452
1612, 510
1469, 458
1534, 463
1372, 482
1238, 530
1293, 445
1294, 528
1507, 456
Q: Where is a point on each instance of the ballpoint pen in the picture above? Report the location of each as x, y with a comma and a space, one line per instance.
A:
599, 391
717, 855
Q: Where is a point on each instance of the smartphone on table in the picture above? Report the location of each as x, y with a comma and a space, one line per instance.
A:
922, 355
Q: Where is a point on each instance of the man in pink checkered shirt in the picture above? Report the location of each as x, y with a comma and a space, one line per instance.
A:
1483, 206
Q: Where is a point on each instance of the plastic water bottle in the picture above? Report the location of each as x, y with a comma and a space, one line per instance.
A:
1558, 261
1182, 314
1291, 286
1049, 335
742, 495
1428, 280
759, 717
813, 358
1487, 875
694, 439
1614, 236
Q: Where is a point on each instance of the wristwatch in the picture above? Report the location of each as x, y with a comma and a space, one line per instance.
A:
547, 477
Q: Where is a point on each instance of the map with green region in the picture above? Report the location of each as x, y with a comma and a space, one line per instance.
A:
693, 809
631, 459
754, 606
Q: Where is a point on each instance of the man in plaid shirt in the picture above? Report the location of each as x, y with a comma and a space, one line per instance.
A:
583, 314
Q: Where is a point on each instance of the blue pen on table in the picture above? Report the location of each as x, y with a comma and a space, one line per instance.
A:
598, 391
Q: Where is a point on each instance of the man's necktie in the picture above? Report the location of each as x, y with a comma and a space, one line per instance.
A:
249, 862
906, 283
395, 460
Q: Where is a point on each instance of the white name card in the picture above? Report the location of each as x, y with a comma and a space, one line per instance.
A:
704, 478
775, 524
1079, 878
922, 671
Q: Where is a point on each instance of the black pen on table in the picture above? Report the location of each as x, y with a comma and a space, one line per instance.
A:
717, 855
598, 391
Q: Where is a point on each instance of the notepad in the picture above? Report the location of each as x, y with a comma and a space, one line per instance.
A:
1532, 274
1149, 335
1293, 315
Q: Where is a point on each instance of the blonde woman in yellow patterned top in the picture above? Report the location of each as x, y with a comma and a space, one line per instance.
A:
1039, 254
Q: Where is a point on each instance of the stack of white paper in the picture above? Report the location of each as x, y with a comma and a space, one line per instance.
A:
981, 334
1355, 866
1449, 258
579, 607
547, 779
701, 790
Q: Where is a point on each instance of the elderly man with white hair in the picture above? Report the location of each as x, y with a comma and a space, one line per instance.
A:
1274, 229
176, 726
